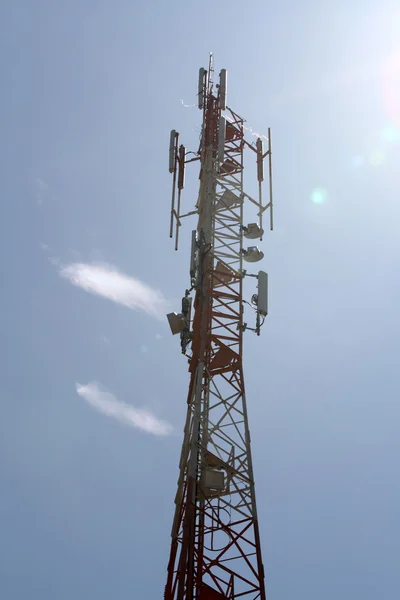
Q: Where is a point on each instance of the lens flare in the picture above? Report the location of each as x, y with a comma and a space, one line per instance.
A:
358, 161
319, 196
391, 88
377, 158
390, 133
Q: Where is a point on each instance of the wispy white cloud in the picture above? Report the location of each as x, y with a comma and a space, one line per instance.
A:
106, 403
105, 280
42, 189
188, 105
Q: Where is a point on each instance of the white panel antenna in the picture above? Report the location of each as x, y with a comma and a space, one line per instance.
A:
262, 296
223, 79
193, 255
181, 168
172, 156
187, 310
200, 94
260, 160
173, 151
221, 139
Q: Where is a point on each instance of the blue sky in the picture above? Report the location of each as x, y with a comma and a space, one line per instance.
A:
90, 91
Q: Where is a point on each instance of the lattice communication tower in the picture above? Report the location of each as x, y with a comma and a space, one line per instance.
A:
215, 546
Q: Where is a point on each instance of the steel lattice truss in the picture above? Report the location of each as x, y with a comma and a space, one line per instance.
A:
215, 550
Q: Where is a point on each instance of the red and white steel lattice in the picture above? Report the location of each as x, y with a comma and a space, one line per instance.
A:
215, 548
